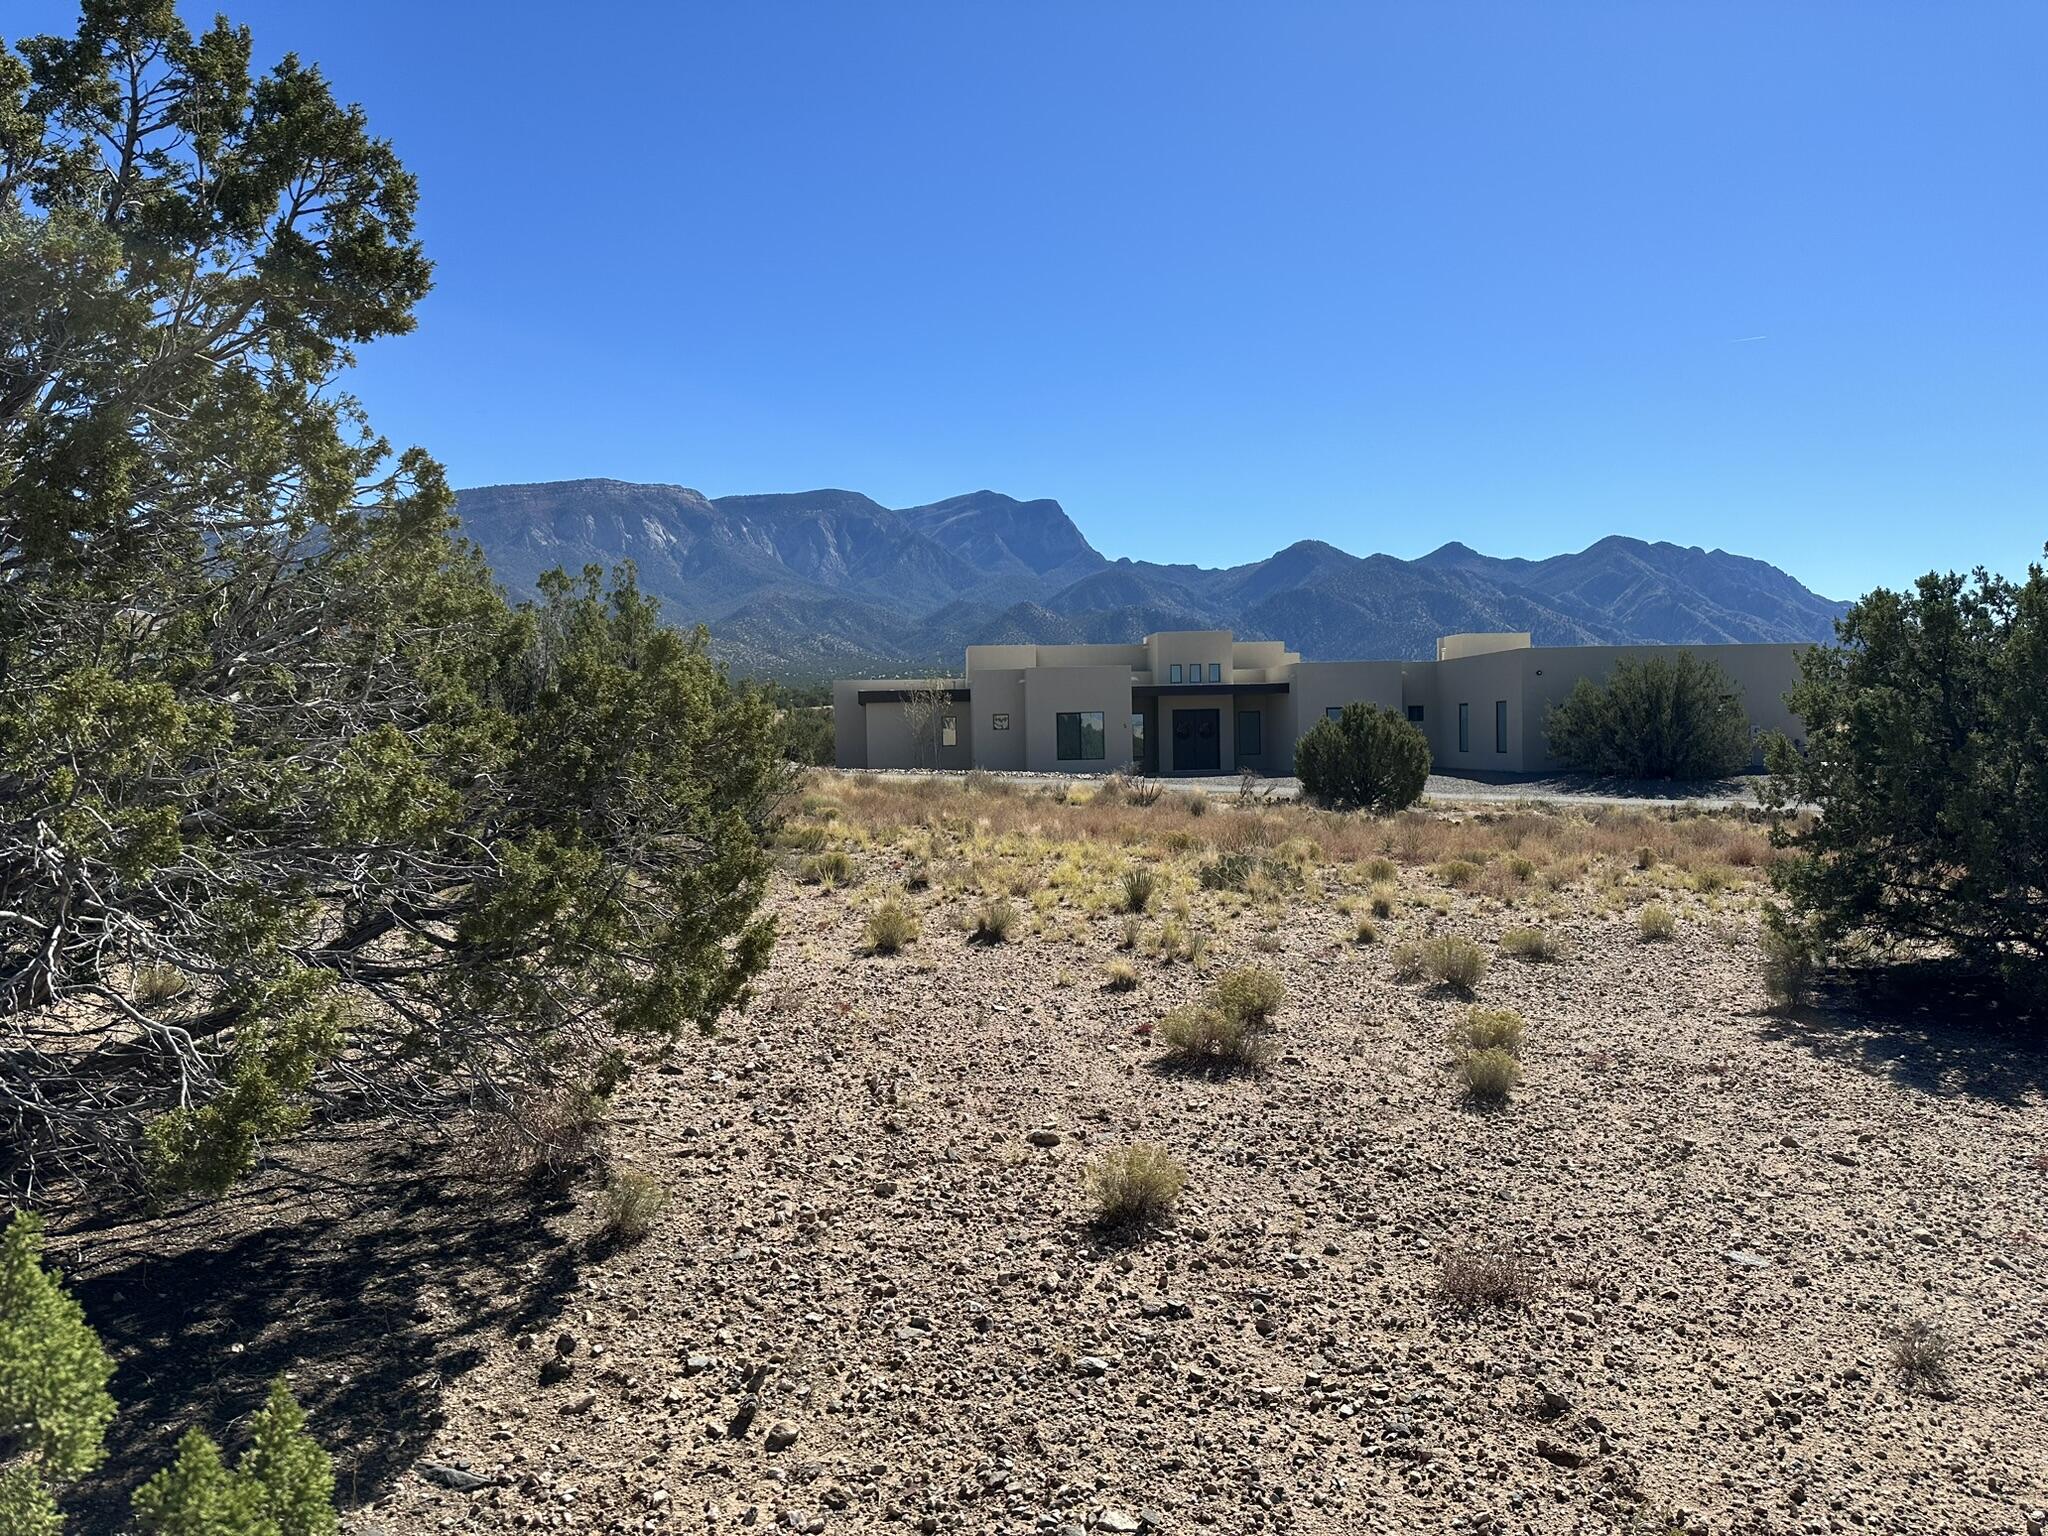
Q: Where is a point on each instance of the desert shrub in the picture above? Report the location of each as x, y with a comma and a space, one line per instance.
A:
1788, 959
804, 734
1407, 963
1368, 758
54, 1407
1202, 1036
1248, 994
804, 839
1457, 873
1142, 792
1195, 802
993, 921
1489, 1075
1133, 933
1454, 962
1921, 1354
1133, 1185
891, 926
1530, 944
1471, 1279
1655, 923
1646, 857
155, 985
1491, 1029
1365, 931
979, 781
1120, 976
1710, 878
1382, 900
1231, 871
826, 869
1521, 868
1925, 731
1380, 871
1140, 885
630, 1201
1677, 717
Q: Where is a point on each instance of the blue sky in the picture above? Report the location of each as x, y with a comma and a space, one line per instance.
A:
1768, 277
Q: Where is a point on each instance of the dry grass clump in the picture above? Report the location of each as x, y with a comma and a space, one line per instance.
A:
1120, 976
628, 1205
1655, 923
1139, 886
1921, 1356
1135, 1185
993, 921
1491, 1029
1489, 1075
1473, 1279
1380, 871
1366, 932
154, 985
1457, 873
1451, 961
826, 869
545, 1135
891, 926
1532, 944
1787, 963
1384, 894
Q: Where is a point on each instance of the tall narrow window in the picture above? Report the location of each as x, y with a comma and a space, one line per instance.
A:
1080, 737
1500, 725
1215, 671
949, 731
1138, 738
1464, 727
1250, 734
1173, 673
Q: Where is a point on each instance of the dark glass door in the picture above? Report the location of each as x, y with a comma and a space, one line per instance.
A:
1197, 740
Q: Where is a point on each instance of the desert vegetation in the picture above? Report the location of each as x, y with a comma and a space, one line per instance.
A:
1675, 717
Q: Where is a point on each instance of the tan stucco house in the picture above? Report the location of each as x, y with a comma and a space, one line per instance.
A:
1199, 702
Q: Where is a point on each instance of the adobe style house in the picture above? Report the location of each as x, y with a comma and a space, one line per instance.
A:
1199, 701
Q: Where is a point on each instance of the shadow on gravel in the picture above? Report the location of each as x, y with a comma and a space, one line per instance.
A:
372, 1274
1928, 1026
1566, 786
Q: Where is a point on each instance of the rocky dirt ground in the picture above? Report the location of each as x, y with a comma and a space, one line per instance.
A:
876, 1301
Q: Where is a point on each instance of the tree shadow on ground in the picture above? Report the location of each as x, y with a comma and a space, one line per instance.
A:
375, 1274
1926, 1025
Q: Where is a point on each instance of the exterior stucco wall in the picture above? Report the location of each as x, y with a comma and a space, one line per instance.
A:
1052, 691
998, 693
1763, 674
1191, 647
890, 744
1479, 681
849, 725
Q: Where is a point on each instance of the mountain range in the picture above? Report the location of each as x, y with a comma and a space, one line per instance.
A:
830, 583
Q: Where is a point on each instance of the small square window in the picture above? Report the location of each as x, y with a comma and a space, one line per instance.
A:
949, 731
1173, 673
1415, 713
1215, 671
999, 722
1079, 737
1334, 712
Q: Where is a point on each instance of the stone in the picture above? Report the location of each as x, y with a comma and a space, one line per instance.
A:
1044, 1138
1742, 1258
461, 1479
583, 1402
1092, 1365
1117, 1520
781, 1435
554, 1369
565, 1344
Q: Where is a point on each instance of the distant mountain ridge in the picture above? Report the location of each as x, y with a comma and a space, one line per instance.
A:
831, 582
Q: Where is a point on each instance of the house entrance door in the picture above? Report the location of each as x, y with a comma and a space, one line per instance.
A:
1197, 740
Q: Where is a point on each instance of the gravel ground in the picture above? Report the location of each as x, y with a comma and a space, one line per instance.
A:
875, 1302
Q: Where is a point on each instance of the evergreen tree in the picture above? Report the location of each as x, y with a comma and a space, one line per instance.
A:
1676, 717
54, 1406
198, 1496
1367, 758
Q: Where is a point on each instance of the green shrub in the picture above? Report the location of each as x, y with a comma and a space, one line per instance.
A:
1489, 1074
631, 1200
282, 1486
891, 926
1406, 962
1202, 1036
1120, 976
1368, 758
1677, 717
1231, 871
1130, 1186
1140, 886
1925, 732
54, 1406
1249, 994
1381, 872
1491, 1029
993, 921
1453, 962
1655, 923
1457, 873
1788, 959
1530, 944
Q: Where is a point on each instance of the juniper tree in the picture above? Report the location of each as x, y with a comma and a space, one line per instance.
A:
54, 1406
292, 802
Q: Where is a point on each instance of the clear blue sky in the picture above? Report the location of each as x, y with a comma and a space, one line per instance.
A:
1772, 277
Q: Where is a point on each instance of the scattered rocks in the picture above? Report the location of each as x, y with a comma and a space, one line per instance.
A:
781, 1435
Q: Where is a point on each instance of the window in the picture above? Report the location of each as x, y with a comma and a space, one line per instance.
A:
1250, 734
1500, 725
1138, 739
1215, 671
949, 731
1079, 737
999, 722
1415, 714
1173, 673
1464, 727
1334, 712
